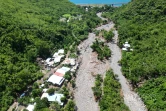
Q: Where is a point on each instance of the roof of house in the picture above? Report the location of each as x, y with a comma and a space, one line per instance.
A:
55, 54
58, 58
59, 74
56, 79
61, 51
61, 71
126, 45
124, 49
30, 107
70, 61
74, 68
48, 60
45, 90
53, 97
65, 69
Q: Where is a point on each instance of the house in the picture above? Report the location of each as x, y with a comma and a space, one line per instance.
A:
48, 60
55, 54
86, 9
30, 107
56, 79
61, 71
66, 69
45, 90
58, 58
124, 49
70, 61
42, 85
126, 45
54, 97
61, 51
74, 68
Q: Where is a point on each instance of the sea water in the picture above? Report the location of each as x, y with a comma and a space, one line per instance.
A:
99, 1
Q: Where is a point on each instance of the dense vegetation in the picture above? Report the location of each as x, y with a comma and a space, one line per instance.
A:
143, 24
108, 35
153, 92
102, 50
97, 89
111, 99
31, 29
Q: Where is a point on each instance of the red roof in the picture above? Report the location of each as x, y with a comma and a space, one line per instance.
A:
59, 74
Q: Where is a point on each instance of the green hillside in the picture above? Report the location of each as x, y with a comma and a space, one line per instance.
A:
31, 29
143, 24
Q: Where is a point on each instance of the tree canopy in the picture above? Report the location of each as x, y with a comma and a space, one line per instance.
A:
143, 24
31, 29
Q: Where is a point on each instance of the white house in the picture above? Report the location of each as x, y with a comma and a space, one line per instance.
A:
30, 107
126, 45
54, 97
56, 79
70, 61
61, 51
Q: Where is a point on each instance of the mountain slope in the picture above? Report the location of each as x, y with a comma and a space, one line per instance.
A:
31, 29
143, 24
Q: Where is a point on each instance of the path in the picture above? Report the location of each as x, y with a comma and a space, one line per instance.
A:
131, 99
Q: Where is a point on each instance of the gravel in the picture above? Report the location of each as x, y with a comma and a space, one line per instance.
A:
90, 66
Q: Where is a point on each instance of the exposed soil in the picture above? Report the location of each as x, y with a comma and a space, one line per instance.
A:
90, 66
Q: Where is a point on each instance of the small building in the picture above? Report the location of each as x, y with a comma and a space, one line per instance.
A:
70, 61
54, 97
55, 54
30, 107
45, 90
86, 9
58, 58
42, 85
61, 51
56, 79
126, 45
48, 60
61, 71
66, 69
74, 68
124, 49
